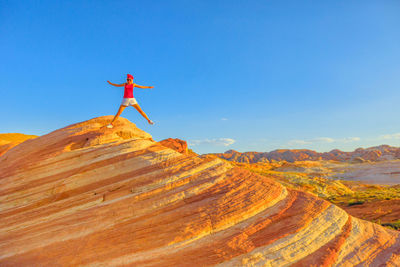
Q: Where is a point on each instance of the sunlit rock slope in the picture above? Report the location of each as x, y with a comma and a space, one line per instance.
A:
85, 195
10, 140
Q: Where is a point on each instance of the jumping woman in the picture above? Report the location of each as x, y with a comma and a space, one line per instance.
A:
129, 99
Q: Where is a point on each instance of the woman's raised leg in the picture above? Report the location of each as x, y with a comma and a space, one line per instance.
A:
138, 108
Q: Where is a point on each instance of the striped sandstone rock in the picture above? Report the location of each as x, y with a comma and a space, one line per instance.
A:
85, 195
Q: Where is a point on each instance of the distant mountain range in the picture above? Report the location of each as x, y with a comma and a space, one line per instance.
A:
377, 153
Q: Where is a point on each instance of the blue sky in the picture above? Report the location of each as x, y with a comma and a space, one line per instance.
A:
244, 75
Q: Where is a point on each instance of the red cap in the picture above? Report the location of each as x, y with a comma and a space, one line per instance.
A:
130, 76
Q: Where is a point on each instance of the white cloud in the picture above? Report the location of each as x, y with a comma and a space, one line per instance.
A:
298, 142
323, 140
224, 119
390, 136
214, 142
351, 139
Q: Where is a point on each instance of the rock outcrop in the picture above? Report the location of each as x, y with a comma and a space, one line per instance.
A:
176, 144
378, 153
91, 196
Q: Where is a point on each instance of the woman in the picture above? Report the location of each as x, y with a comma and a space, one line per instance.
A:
129, 99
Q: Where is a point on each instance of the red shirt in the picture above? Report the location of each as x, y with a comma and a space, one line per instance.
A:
128, 91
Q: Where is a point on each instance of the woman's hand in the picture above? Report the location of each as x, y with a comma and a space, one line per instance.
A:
143, 87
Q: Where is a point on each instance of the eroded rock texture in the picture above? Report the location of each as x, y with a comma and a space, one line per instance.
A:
176, 144
91, 196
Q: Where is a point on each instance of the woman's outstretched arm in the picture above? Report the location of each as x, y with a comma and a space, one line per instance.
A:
117, 85
143, 87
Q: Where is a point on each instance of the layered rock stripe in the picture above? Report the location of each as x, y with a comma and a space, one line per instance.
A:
85, 195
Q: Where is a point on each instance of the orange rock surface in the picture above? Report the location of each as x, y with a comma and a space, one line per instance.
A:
10, 140
386, 211
176, 144
91, 196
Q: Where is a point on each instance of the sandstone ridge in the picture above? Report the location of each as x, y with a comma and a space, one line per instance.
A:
85, 195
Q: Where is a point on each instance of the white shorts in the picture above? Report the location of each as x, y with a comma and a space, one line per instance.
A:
128, 101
